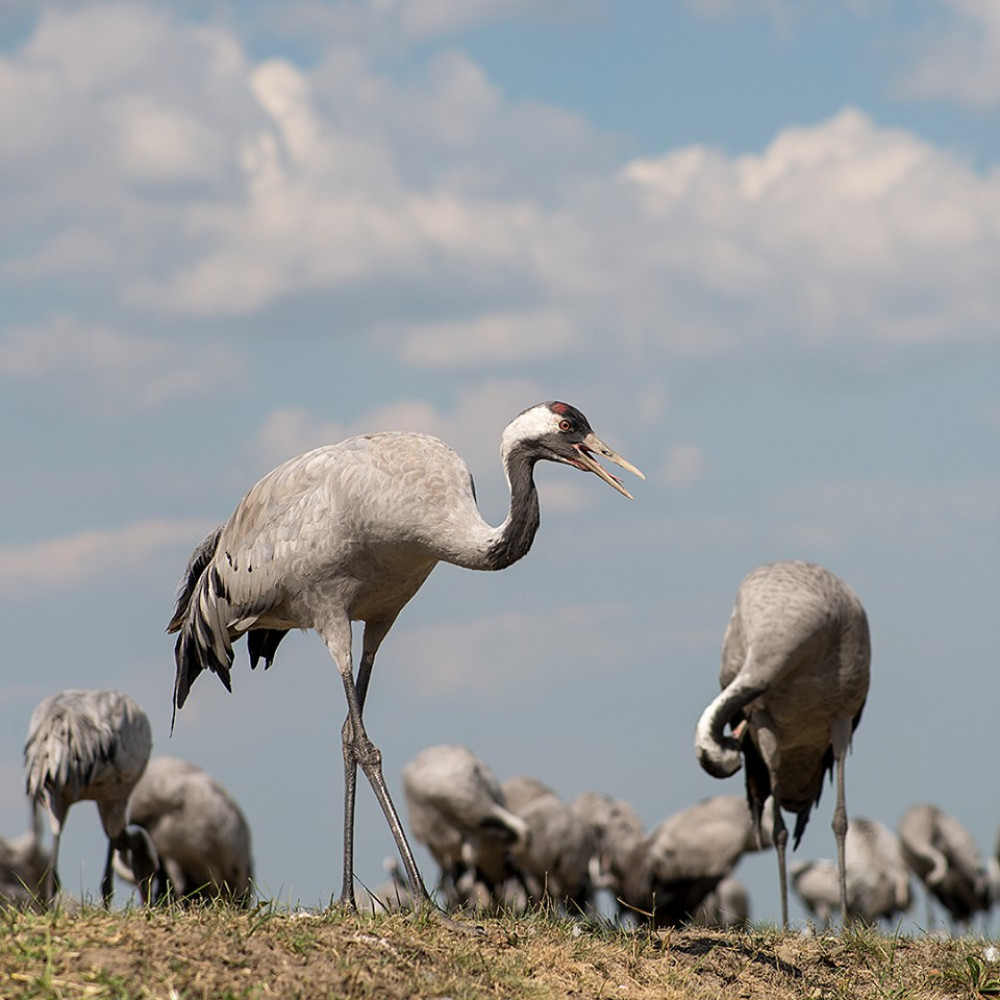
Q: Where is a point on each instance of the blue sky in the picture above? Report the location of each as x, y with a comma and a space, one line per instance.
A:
755, 242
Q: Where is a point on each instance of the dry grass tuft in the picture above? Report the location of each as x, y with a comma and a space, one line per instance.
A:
217, 952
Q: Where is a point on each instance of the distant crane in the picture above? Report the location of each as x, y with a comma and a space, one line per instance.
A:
945, 857
686, 857
201, 837
349, 532
456, 808
617, 831
561, 843
90, 745
795, 672
24, 866
878, 879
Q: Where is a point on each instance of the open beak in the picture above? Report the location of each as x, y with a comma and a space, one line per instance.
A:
592, 445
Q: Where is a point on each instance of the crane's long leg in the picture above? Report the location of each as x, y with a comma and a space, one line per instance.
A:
108, 879
52, 883
780, 837
840, 738
359, 749
351, 776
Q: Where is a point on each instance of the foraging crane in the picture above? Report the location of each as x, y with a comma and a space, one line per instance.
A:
794, 678
199, 832
556, 863
727, 905
944, 856
616, 831
682, 860
24, 865
878, 879
457, 810
349, 532
89, 745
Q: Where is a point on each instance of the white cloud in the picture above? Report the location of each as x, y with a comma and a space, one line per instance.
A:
837, 231
500, 231
489, 338
472, 429
962, 64
391, 24
112, 370
71, 561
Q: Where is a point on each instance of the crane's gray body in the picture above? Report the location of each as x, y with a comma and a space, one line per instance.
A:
456, 808
199, 831
349, 532
795, 673
878, 883
944, 855
87, 745
686, 856
556, 863
24, 866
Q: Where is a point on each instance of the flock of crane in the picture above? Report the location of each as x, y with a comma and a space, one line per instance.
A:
349, 532
513, 845
172, 829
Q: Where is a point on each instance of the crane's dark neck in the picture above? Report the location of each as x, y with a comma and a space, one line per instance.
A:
523, 517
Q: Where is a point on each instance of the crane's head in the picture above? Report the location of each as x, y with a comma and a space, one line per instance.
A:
558, 432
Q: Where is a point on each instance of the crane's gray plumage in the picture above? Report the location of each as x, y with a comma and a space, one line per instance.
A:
24, 866
87, 745
616, 830
727, 905
556, 863
683, 859
349, 532
945, 857
200, 834
795, 672
456, 808
878, 881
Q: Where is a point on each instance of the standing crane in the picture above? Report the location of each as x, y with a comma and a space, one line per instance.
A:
349, 532
794, 678
90, 745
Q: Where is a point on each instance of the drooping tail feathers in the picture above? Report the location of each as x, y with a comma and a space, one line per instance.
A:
201, 618
197, 564
64, 746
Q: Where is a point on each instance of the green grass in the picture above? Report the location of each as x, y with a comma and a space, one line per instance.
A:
219, 952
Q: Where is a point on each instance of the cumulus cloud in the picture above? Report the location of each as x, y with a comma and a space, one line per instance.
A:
489, 338
37, 568
836, 231
961, 64
472, 427
74, 116
391, 24
466, 229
